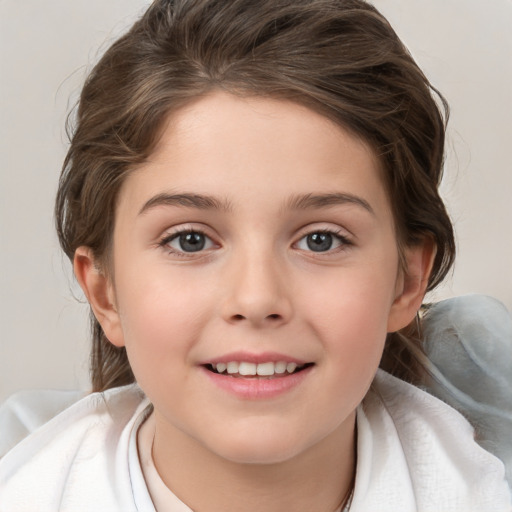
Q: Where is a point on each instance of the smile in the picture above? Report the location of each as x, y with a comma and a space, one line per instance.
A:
251, 376
247, 369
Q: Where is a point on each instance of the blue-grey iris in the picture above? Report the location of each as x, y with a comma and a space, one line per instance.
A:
319, 242
192, 242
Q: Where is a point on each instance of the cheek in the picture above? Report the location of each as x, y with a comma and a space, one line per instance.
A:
161, 320
350, 315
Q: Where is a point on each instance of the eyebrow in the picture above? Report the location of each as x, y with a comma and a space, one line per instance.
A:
299, 202
199, 201
316, 201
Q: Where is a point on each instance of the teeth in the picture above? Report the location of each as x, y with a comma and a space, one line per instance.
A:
251, 369
291, 367
265, 369
247, 369
232, 367
221, 367
280, 367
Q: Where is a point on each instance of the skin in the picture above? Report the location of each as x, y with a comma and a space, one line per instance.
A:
256, 287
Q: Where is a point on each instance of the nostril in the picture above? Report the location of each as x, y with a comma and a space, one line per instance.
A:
273, 316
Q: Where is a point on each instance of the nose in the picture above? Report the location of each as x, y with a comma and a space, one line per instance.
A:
258, 293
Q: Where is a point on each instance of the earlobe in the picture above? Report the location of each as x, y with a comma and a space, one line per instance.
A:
412, 284
99, 291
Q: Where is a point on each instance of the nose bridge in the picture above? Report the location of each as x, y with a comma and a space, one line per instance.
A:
258, 292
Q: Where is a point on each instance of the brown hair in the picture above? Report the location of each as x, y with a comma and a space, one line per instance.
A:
338, 57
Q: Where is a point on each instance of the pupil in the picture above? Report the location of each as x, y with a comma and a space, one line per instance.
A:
319, 242
192, 242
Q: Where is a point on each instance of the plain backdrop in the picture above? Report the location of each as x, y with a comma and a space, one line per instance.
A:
46, 50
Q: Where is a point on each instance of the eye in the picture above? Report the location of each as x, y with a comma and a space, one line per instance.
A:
322, 241
187, 242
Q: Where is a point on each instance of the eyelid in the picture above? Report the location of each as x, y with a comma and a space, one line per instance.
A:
324, 227
186, 227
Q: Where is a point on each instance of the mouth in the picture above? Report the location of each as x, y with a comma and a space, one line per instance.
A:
264, 376
264, 370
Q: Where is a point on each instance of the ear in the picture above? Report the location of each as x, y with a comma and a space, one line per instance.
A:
412, 284
99, 290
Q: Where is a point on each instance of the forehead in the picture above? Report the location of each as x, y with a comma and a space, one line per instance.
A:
264, 149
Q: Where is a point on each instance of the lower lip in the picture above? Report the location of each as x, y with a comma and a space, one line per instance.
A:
254, 388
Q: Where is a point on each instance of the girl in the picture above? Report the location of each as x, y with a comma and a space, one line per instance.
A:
250, 203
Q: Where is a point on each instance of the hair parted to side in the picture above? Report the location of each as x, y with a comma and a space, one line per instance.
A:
338, 57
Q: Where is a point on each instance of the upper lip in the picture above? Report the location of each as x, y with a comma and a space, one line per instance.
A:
250, 357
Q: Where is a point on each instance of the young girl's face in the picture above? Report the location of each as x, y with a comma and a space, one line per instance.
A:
257, 238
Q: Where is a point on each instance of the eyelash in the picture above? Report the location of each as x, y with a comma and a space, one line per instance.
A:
339, 235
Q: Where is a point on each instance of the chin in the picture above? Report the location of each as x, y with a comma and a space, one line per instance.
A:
259, 448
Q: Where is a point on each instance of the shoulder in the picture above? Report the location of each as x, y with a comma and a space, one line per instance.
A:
75, 455
417, 453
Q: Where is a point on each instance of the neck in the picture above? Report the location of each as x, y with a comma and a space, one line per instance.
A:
319, 479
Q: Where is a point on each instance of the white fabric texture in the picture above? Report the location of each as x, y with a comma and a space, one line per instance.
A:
84, 459
25, 411
468, 340
415, 454
419, 454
